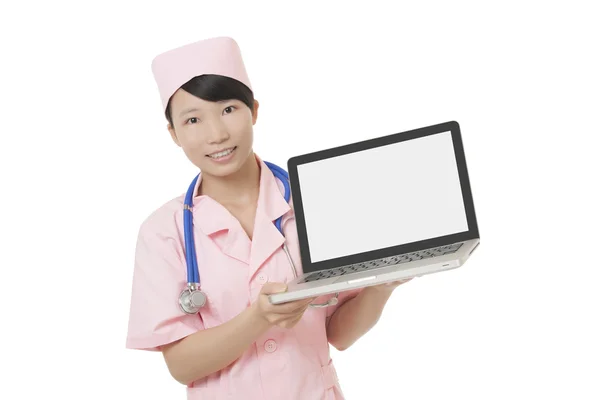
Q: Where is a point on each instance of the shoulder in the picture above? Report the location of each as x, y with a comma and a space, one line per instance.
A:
164, 220
160, 236
281, 188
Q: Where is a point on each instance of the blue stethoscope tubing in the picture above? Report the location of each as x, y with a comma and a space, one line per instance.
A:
190, 250
192, 298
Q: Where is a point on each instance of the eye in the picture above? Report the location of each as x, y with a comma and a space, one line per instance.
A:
192, 120
230, 108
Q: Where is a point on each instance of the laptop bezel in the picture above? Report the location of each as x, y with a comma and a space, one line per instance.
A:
471, 233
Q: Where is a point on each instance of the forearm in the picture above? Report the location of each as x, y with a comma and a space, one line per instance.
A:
356, 317
210, 350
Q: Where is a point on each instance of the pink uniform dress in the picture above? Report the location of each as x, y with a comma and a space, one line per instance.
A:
283, 364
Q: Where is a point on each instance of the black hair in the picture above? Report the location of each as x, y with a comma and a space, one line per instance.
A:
215, 88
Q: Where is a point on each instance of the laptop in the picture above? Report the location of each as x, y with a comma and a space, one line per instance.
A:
381, 210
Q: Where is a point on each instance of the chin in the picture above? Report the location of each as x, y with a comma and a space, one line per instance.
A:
221, 170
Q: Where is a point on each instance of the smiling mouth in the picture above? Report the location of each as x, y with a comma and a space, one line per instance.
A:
222, 154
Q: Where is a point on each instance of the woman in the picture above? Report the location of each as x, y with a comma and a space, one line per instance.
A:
238, 346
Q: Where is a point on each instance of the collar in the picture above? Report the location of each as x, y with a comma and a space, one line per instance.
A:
212, 217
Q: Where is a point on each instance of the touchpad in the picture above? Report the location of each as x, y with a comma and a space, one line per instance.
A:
366, 276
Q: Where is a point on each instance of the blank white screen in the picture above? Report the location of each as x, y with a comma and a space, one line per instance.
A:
382, 197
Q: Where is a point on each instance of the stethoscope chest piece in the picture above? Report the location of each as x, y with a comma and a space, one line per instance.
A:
191, 300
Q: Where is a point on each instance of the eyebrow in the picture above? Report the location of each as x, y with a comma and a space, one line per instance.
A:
189, 110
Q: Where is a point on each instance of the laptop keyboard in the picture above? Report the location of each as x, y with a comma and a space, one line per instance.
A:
382, 262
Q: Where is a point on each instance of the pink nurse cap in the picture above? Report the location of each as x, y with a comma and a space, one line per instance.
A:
219, 56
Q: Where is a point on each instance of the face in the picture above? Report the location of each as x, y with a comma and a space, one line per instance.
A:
216, 137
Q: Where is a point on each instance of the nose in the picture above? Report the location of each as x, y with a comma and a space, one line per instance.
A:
217, 132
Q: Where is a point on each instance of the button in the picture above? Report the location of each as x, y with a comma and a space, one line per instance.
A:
262, 278
270, 346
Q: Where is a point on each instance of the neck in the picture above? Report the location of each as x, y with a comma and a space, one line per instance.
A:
237, 189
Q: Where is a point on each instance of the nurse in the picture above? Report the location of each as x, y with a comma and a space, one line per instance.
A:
238, 346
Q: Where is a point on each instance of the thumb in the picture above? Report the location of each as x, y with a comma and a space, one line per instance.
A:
273, 287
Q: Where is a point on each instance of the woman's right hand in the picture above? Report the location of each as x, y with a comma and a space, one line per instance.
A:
284, 315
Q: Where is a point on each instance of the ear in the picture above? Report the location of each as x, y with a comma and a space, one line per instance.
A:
173, 135
255, 112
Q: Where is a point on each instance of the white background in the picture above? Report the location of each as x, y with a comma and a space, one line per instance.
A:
85, 157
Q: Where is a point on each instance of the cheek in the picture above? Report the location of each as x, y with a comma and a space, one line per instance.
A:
241, 131
191, 139
193, 147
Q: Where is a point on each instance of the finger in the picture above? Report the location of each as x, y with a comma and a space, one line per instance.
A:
301, 306
273, 287
309, 300
288, 308
298, 312
301, 302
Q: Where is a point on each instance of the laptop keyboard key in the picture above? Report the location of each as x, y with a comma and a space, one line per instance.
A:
384, 262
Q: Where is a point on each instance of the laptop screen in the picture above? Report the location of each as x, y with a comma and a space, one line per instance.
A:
382, 197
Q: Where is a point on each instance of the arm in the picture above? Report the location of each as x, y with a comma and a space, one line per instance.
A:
358, 315
210, 350
191, 351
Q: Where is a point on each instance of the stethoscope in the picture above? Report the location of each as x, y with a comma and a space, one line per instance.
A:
193, 298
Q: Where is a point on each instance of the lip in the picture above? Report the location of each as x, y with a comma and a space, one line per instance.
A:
223, 159
219, 151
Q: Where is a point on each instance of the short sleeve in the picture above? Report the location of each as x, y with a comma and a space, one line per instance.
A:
159, 276
342, 299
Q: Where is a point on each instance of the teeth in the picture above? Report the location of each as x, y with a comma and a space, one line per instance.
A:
221, 154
